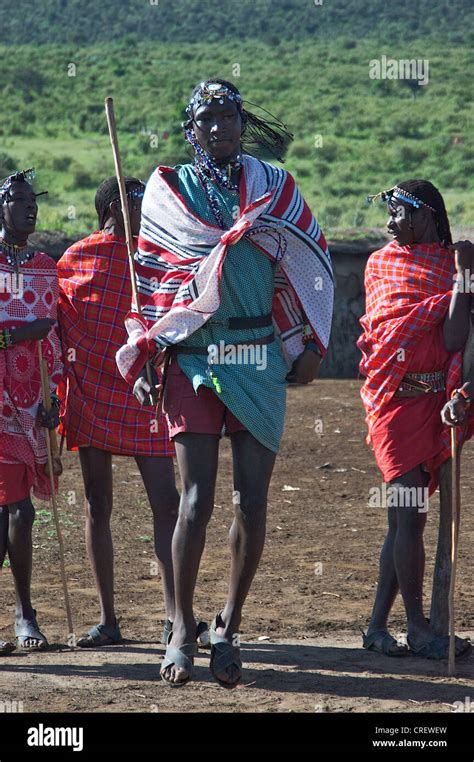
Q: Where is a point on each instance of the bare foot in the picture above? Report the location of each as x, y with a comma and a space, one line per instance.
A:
185, 641
225, 653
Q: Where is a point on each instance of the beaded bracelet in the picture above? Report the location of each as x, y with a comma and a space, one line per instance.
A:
462, 393
308, 334
6, 339
55, 400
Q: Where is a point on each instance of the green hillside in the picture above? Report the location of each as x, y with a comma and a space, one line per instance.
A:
87, 21
353, 134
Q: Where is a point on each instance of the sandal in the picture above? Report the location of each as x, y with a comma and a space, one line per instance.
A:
27, 631
6, 647
202, 634
438, 648
223, 654
381, 642
101, 635
182, 657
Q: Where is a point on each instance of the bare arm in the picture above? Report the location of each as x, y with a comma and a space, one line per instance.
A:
456, 324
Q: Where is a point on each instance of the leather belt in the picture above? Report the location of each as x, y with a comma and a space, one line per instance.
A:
414, 384
177, 349
237, 323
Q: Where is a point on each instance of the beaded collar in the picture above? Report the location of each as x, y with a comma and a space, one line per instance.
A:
16, 256
210, 174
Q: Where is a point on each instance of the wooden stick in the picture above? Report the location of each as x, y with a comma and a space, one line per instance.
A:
439, 614
455, 511
50, 433
47, 405
110, 113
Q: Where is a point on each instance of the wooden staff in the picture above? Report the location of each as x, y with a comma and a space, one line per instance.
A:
109, 110
439, 615
455, 516
51, 444
51, 436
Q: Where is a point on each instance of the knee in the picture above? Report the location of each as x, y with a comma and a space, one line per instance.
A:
22, 513
98, 504
166, 504
196, 506
250, 511
406, 498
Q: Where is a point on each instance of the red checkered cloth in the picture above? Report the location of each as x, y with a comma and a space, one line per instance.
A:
98, 408
408, 292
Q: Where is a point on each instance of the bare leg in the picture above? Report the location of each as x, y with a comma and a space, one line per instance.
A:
97, 474
20, 553
253, 467
159, 480
387, 587
5, 647
197, 456
409, 554
4, 520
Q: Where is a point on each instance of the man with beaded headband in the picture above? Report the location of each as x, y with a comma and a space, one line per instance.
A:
414, 330
237, 293
28, 296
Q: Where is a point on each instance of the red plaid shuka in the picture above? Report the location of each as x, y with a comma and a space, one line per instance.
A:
98, 408
408, 292
180, 259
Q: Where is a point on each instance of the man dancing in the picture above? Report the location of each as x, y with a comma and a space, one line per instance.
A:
236, 282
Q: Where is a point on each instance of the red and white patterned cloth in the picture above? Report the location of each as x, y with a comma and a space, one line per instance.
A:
22, 440
98, 408
180, 259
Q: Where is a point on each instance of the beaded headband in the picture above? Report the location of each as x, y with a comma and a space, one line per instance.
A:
209, 91
137, 192
402, 195
23, 175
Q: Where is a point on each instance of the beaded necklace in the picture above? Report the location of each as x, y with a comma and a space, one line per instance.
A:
209, 173
16, 256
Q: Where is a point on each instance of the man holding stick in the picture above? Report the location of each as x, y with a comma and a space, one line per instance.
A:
99, 414
414, 330
27, 315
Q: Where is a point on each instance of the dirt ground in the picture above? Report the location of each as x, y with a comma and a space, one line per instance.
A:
301, 642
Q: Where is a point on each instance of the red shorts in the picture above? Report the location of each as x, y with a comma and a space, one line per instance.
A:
15, 483
201, 413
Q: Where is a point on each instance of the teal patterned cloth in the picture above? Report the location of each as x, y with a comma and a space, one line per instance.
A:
254, 392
